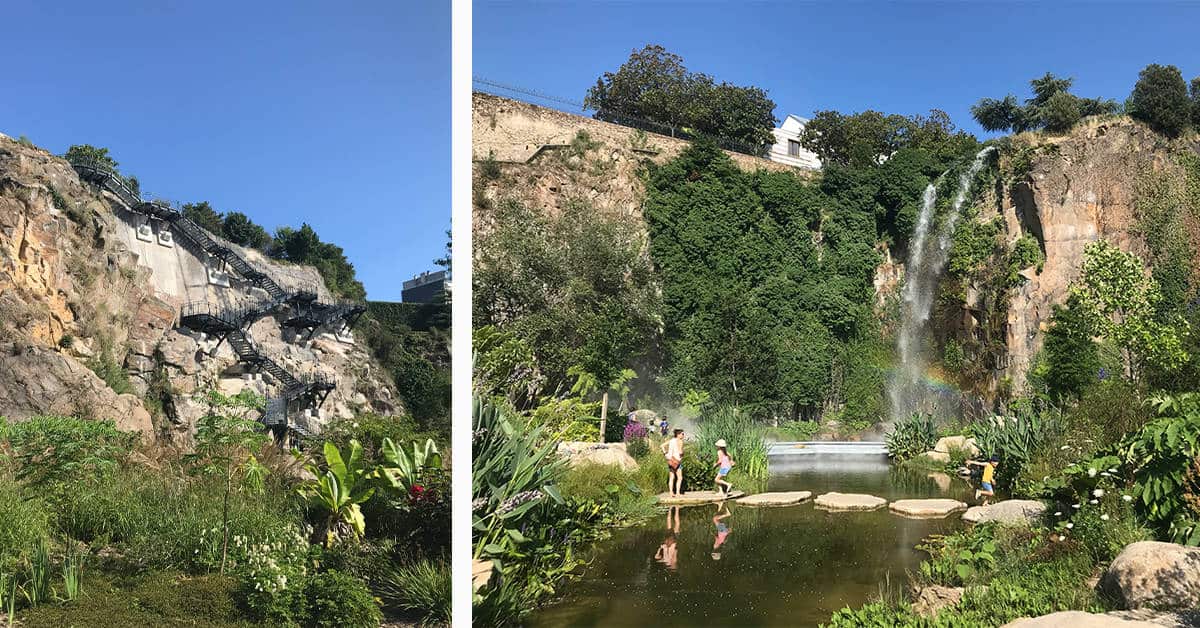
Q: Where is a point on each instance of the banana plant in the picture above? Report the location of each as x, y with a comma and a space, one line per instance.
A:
339, 488
403, 470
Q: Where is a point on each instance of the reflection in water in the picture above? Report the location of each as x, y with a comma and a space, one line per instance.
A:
788, 566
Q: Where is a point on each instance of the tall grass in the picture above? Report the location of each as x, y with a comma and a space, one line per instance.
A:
422, 587
745, 439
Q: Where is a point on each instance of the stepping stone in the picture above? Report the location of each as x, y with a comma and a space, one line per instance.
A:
1078, 619
849, 501
776, 499
1007, 511
926, 508
691, 498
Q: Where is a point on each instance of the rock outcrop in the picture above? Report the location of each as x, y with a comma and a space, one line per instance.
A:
1079, 619
1009, 511
581, 452
1151, 574
933, 598
88, 287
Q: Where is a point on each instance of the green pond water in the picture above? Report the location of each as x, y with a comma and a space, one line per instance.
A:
784, 566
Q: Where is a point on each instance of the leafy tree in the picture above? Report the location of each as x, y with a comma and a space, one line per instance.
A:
204, 215
1072, 357
654, 85
239, 229
575, 288
1196, 102
865, 139
1061, 112
1119, 301
226, 438
303, 246
1053, 107
1160, 99
87, 152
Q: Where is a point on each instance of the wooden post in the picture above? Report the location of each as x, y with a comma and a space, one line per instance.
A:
603, 414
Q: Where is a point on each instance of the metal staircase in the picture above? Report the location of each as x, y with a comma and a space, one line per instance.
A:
305, 311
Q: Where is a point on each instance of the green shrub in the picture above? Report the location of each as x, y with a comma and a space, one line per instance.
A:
150, 599
107, 368
744, 437
570, 419
1013, 439
52, 450
489, 168
336, 599
422, 588
911, 437
629, 494
1163, 453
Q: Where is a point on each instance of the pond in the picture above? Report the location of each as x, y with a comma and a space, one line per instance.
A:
787, 566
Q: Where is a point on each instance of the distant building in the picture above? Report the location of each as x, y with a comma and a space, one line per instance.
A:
787, 148
424, 288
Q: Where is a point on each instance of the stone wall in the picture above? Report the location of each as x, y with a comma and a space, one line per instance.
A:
514, 131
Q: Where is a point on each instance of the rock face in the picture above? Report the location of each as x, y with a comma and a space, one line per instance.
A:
1079, 619
776, 499
926, 508
934, 598
849, 501
597, 453
79, 288
1150, 574
1079, 188
1007, 511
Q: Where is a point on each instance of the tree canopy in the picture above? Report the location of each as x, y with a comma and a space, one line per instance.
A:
653, 85
1160, 99
867, 138
1053, 108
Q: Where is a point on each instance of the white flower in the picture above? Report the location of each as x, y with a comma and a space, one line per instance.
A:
1127, 498
1058, 514
1091, 473
1070, 525
1098, 492
1075, 506
1104, 517
1064, 447
1093, 501
1112, 470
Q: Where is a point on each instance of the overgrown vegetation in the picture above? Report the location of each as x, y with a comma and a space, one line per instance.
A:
106, 527
1052, 108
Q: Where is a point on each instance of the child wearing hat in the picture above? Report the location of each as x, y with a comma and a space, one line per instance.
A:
724, 465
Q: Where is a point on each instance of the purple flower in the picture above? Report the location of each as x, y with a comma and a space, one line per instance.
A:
1102, 374
635, 430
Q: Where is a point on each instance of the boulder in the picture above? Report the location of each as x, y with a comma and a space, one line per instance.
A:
849, 501
941, 479
776, 499
934, 598
1078, 619
597, 453
481, 573
1007, 511
1151, 574
926, 508
948, 443
693, 498
937, 456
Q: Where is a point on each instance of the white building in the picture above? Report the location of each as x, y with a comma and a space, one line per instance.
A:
787, 148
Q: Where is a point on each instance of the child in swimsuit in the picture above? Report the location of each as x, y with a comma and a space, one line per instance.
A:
724, 465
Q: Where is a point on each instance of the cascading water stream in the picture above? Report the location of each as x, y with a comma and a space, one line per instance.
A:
926, 259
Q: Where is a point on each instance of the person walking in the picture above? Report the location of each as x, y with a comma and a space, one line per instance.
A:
673, 450
724, 466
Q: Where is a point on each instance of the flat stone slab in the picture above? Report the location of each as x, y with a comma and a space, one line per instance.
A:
691, 498
1078, 619
926, 508
776, 499
1007, 511
849, 501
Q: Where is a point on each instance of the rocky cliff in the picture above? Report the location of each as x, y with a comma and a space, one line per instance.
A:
1067, 191
90, 298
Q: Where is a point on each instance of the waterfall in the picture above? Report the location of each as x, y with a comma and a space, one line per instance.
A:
926, 258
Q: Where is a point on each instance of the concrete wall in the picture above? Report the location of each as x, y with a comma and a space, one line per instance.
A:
513, 131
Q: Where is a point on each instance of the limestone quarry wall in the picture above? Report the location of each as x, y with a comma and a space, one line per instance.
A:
78, 284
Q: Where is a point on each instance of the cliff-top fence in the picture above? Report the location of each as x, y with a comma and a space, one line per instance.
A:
510, 126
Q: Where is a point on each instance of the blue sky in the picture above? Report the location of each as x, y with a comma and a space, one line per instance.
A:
288, 111
902, 57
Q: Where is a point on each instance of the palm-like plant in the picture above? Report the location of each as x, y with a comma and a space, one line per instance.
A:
339, 488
